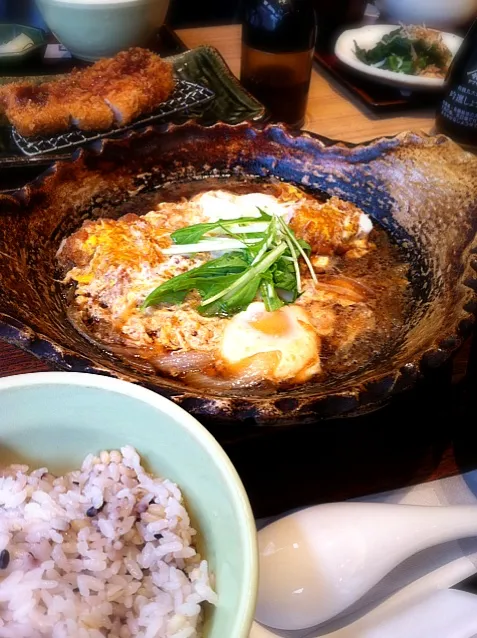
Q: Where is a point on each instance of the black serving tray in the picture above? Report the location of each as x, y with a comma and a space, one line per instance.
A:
379, 98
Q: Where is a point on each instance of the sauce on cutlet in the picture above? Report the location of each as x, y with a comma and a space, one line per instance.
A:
30, 93
117, 70
133, 63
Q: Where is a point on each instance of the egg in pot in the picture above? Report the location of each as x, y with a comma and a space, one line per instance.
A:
283, 343
220, 204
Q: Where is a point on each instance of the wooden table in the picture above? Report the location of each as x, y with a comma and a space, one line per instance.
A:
332, 111
339, 460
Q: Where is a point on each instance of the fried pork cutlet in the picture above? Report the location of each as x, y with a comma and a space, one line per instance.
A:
88, 112
35, 109
119, 89
51, 107
132, 83
335, 227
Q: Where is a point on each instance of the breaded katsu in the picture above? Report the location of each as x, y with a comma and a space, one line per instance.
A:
132, 83
53, 107
335, 226
34, 109
116, 90
87, 111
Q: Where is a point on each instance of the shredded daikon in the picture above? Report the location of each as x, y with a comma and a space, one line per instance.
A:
19, 44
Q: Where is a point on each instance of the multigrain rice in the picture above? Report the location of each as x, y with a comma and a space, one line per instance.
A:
107, 550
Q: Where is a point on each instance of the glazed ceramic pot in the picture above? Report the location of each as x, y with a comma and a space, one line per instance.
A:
420, 189
93, 29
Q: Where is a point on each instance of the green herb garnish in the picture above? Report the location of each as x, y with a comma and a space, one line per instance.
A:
402, 51
263, 256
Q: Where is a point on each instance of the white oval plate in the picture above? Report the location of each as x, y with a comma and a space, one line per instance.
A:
368, 36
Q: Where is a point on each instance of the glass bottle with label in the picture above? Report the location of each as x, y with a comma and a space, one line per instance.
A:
278, 40
457, 113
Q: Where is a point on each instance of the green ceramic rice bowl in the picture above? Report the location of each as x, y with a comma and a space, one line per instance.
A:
56, 419
93, 29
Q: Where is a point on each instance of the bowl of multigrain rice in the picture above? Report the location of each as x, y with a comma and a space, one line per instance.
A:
120, 516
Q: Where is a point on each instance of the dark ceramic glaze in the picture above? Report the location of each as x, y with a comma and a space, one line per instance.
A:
422, 189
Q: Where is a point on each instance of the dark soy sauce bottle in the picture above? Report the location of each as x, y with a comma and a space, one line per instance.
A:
278, 40
457, 113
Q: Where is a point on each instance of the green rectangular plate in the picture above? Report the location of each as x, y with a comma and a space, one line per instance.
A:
203, 65
232, 104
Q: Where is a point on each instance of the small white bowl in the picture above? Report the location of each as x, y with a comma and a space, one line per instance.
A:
367, 37
440, 14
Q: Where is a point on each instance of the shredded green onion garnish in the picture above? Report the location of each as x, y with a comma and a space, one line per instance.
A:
262, 257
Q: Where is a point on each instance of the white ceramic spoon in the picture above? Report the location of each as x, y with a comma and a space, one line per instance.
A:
317, 562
